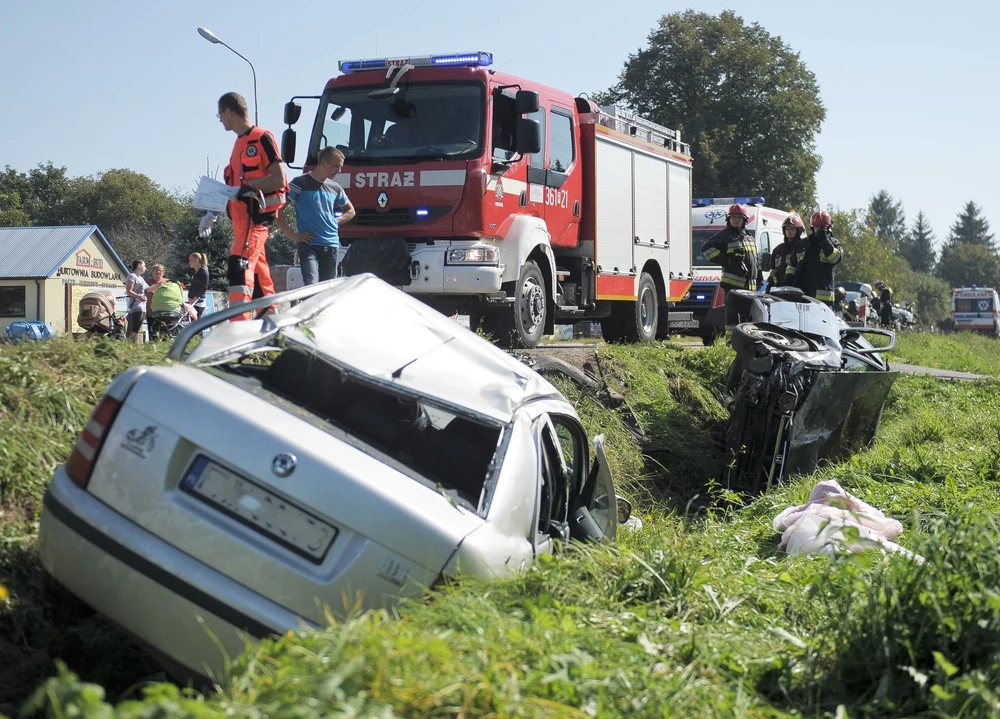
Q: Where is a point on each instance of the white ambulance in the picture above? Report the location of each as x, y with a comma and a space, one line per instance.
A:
976, 308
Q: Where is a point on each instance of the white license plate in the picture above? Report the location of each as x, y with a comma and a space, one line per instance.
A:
683, 324
258, 508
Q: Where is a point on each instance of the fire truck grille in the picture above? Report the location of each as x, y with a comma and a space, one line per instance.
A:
367, 217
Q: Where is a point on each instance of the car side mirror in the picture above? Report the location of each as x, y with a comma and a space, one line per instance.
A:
624, 509
525, 102
288, 146
529, 136
292, 112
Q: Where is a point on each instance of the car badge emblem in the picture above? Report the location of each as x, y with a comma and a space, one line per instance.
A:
383, 199
283, 464
499, 192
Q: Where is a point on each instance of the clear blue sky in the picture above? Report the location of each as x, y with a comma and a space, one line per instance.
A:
91, 86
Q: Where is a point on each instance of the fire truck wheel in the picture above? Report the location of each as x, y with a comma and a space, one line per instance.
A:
523, 324
634, 321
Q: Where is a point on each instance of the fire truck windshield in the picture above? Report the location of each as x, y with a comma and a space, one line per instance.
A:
429, 121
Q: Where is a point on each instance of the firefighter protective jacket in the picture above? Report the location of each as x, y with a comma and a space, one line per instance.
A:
736, 251
253, 152
781, 260
813, 261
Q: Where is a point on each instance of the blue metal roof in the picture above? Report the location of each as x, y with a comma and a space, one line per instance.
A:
37, 252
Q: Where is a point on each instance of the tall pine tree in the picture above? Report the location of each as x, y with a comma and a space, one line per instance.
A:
917, 247
886, 218
971, 228
970, 256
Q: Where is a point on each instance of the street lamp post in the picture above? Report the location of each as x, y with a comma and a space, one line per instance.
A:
213, 38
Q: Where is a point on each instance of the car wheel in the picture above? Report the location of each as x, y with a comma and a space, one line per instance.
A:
774, 336
523, 324
634, 321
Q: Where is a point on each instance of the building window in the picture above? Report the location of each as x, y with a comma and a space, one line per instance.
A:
12, 302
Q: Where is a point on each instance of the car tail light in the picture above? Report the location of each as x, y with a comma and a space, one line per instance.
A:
862, 310
88, 445
720, 297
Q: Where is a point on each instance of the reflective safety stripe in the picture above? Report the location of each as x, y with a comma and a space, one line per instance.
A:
273, 202
240, 291
832, 256
712, 253
824, 295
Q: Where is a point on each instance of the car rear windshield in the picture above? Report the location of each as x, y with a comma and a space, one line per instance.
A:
442, 447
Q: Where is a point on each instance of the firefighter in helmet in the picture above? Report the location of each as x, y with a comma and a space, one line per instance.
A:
734, 248
792, 230
815, 258
884, 303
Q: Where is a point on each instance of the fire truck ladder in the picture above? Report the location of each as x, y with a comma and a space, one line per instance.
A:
628, 123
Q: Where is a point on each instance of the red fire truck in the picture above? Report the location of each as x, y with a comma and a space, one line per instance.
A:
522, 206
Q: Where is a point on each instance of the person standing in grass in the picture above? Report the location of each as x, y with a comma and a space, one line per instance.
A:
199, 282
135, 288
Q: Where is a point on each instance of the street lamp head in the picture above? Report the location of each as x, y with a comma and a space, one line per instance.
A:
209, 35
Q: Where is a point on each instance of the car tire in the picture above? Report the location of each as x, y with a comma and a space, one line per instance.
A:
774, 336
523, 324
634, 321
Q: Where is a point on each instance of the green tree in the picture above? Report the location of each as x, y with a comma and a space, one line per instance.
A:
971, 228
866, 257
917, 247
124, 198
46, 192
11, 214
747, 104
886, 218
965, 263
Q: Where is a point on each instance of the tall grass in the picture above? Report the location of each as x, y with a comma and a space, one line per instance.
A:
696, 615
958, 351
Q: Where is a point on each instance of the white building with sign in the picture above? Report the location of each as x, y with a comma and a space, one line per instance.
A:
44, 271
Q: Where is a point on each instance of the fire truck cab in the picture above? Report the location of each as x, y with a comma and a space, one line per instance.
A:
521, 205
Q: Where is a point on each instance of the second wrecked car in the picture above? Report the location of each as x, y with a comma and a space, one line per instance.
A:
804, 386
342, 453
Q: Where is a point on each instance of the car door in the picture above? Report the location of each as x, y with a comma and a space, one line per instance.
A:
574, 499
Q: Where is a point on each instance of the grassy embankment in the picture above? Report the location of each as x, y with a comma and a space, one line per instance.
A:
695, 615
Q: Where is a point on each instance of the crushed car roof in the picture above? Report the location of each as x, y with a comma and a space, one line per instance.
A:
371, 327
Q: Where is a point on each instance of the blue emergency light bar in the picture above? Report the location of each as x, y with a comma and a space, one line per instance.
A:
457, 59
707, 201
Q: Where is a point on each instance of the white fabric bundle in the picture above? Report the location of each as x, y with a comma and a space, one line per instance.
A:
818, 526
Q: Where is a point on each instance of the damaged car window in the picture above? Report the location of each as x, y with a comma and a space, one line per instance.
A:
444, 448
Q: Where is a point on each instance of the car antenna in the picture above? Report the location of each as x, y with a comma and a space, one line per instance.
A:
398, 372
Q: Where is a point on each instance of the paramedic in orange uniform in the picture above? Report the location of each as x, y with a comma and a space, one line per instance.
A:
255, 168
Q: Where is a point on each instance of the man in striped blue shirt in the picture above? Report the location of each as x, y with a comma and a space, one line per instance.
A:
317, 200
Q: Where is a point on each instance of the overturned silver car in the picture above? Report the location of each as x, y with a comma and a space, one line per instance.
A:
352, 449
804, 386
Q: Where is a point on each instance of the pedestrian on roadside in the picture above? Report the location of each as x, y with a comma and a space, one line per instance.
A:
199, 282
884, 303
135, 288
321, 207
734, 248
815, 258
157, 278
255, 167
